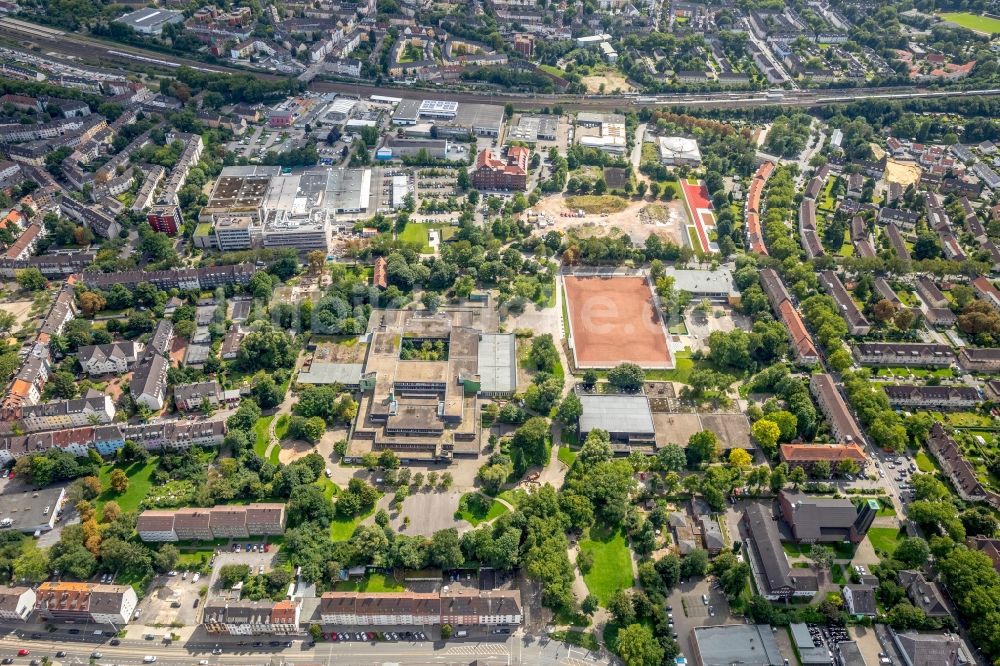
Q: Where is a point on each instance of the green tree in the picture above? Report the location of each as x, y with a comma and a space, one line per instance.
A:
636, 646
703, 447
912, 551
627, 377
570, 409
766, 433
31, 279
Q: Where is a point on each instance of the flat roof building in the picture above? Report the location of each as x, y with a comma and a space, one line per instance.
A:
626, 418
534, 128
150, 20
32, 511
421, 380
744, 644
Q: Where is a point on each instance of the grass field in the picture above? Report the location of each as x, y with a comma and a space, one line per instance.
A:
495, 510
371, 583
925, 463
138, 486
566, 456
260, 429
612, 570
419, 233
553, 70
884, 539
341, 529
584, 639
281, 427
596, 204
975, 22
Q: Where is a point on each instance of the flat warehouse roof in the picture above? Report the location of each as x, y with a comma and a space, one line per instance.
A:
497, 363
479, 115
616, 413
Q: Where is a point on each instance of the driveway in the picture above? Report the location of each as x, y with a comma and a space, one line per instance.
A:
689, 611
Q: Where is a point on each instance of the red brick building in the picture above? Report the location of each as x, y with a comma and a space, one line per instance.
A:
165, 218
493, 173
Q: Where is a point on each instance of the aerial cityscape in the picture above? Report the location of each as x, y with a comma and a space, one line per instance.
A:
500, 332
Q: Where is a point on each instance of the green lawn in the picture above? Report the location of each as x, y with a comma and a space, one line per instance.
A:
341, 529
329, 487
414, 232
552, 69
972, 21
793, 549
884, 539
138, 486
496, 509
584, 639
371, 583
925, 463
683, 366
281, 427
566, 456
838, 574
612, 570
260, 444
514, 497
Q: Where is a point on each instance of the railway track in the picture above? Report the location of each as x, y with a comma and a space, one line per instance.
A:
89, 49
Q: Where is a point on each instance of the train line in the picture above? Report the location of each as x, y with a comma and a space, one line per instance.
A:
90, 49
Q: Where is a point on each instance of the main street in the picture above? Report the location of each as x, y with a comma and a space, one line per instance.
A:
518, 649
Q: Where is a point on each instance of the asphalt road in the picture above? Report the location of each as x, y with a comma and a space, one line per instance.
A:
526, 650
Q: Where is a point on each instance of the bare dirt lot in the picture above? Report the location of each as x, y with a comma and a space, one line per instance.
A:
20, 310
604, 312
640, 219
904, 173
612, 80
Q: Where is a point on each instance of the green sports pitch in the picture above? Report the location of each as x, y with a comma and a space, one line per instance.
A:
983, 24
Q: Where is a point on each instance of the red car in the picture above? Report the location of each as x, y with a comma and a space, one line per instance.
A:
333, 637
23, 652
266, 548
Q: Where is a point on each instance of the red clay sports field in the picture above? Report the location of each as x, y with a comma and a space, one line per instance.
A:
614, 319
700, 212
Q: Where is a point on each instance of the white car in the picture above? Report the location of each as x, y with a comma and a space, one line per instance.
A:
149, 659
194, 579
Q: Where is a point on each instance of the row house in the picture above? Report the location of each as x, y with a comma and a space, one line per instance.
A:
94, 409
959, 471
857, 324
25, 245
16, 603
177, 434
807, 455
85, 602
802, 343
842, 423
930, 292
903, 354
457, 608
148, 385
63, 311
189, 397
933, 397
204, 278
987, 292
252, 618
113, 358
144, 198
29, 382
122, 159
979, 359
906, 219
940, 317
96, 218
219, 522
897, 242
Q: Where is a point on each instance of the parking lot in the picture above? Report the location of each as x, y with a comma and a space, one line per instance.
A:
258, 561
175, 599
689, 609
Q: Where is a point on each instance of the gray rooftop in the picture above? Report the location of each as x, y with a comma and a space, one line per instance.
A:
616, 413
497, 363
345, 374
744, 644
719, 281
26, 512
